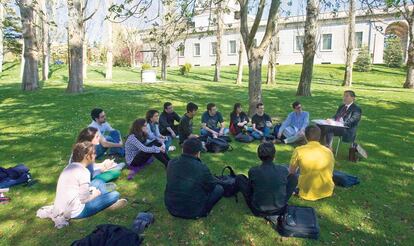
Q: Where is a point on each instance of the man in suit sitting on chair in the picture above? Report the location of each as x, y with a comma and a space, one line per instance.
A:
350, 114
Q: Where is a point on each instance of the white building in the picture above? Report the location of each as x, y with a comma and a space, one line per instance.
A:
371, 31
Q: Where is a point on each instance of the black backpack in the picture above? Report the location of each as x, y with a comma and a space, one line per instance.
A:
299, 222
216, 145
344, 179
110, 235
228, 182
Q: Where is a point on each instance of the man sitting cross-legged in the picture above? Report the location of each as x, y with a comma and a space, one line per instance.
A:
212, 122
269, 186
191, 190
293, 128
316, 164
109, 137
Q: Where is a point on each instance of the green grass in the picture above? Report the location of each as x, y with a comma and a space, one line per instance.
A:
38, 129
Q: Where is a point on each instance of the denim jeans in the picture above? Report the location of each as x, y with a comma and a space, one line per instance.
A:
204, 132
114, 137
256, 135
101, 202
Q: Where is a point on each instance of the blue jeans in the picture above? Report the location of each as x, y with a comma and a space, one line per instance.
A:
256, 135
168, 142
204, 132
114, 137
101, 202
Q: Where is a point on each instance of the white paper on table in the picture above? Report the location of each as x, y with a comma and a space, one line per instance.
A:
329, 123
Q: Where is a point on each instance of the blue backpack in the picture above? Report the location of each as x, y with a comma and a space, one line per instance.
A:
14, 176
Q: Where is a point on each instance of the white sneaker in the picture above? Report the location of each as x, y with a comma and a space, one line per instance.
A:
118, 204
171, 148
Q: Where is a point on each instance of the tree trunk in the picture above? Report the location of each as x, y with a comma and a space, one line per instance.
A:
351, 41
1, 37
133, 54
255, 83
85, 57
30, 78
109, 47
219, 35
75, 34
409, 80
163, 64
271, 67
240, 64
45, 40
309, 49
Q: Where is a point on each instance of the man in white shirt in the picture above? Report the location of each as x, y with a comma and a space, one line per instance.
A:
110, 138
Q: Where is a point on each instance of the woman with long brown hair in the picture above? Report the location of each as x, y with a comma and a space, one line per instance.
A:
138, 152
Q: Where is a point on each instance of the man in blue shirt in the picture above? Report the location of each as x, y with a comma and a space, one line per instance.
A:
212, 122
293, 128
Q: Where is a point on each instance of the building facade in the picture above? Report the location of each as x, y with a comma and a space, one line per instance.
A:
371, 31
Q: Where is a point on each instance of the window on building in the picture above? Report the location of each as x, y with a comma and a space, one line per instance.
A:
213, 48
197, 50
327, 41
299, 40
181, 49
232, 47
358, 40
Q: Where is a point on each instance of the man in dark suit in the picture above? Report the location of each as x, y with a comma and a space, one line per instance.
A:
350, 114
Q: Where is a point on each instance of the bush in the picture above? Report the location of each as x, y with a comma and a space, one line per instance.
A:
185, 69
363, 62
120, 61
393, 54
146, 66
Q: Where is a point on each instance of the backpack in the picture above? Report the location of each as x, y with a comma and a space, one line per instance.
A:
244, 138
14, 176
216, 145
298, 222
344, 180
110, 235
228, 182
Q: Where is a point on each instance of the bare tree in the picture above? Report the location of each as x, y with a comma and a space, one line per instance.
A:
30, 78
240, 64
351, 44
109, 45
1, 35
130, 38
44, 29
219, 36
85, 56
76, 35
271, 67
255, 53
309, 48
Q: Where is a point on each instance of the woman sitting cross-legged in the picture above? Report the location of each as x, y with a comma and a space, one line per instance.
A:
139, 152
76, 196
153, 130
107, 170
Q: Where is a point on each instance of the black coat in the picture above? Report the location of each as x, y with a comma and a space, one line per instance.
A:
351, 118
110, 235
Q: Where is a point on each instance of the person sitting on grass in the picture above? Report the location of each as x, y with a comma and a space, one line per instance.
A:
167, 119
268, 187
76, 196
191, 190
261, 123
212, 122
238, 120
153, 130
108, 168
112, 140
316, 164
293, 128
185, 128
139, 152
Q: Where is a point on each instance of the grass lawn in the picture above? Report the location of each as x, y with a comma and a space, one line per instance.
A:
38, 129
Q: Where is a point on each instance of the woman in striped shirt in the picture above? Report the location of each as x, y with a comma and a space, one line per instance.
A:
137, 152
